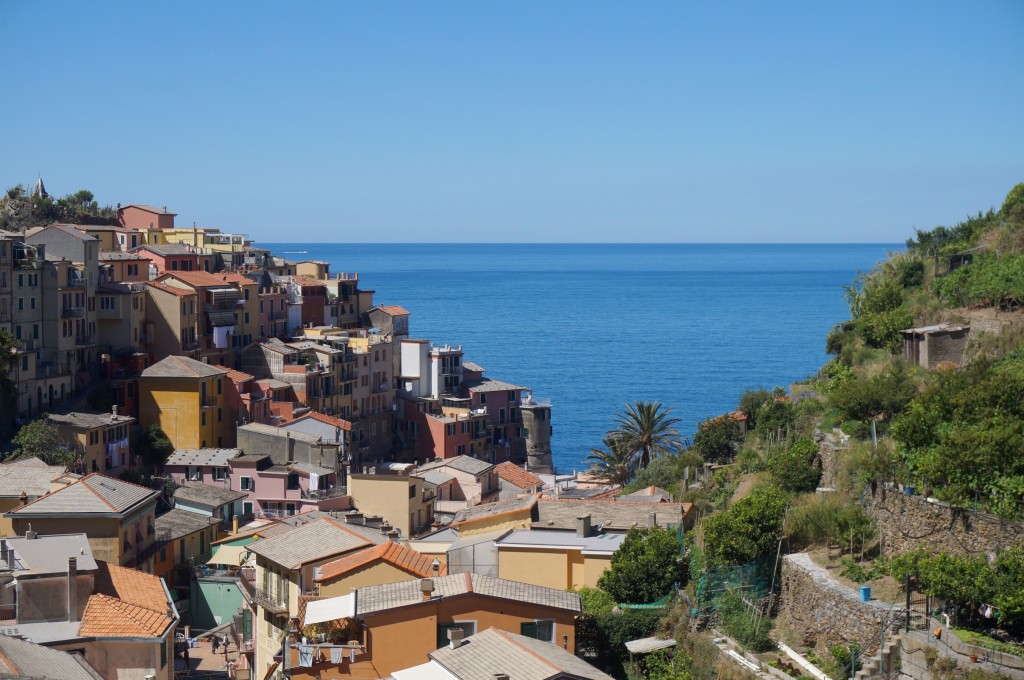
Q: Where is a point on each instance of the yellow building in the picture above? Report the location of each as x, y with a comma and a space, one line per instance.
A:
385, 563
557, 559
405, 502
101, 439
118, 517
186, 398
286, 565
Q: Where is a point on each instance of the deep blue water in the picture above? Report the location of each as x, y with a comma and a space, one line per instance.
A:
595, 326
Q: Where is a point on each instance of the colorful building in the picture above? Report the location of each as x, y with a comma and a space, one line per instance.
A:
185, 398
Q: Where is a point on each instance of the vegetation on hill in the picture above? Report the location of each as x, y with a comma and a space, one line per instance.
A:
20, 211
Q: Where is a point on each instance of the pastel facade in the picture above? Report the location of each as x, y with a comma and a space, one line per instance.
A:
405, 502
102, 440
186, 398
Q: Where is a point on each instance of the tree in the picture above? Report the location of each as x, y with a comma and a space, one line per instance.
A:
716, 439
645, 567
647, 428
41, 439
748, 530
793, 468
154, 446
880, 396
662, 472
613, 463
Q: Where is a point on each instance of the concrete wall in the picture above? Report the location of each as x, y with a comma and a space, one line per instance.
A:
909, 522
562, 569
375, 574
215, 601
819, 612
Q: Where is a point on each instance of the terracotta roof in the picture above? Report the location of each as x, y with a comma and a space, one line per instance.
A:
394, 310
236, 278
198, 278
126, 603
173, 290
181, 367
400, 556
324, 418
236, 376
513, 474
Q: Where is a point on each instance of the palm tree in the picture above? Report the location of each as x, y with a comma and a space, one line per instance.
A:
646, 428
613, 463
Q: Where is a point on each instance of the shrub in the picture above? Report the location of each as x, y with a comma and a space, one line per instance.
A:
750, 529
792, 469
645, 567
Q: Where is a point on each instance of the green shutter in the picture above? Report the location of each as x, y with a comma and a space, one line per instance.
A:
528, 629
247, 624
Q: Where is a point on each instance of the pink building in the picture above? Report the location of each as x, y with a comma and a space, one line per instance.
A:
284, 490
171, 257
273, 312
145, 217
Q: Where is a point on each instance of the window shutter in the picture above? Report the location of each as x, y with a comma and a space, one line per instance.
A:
528, 629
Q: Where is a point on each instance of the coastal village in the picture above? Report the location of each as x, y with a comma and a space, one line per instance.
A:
224, 462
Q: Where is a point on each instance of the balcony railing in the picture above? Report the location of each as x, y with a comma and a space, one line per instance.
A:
263, 599
73, 312
322, 494
8, 613
85, 339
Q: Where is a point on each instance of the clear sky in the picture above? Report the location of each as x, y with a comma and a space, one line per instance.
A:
566, 121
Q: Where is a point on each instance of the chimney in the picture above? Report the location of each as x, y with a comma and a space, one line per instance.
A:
30, 535
652, 519
583, 526
23, 498
427, 588
234, 524
72, 589
455, 637
501, 676
113, 412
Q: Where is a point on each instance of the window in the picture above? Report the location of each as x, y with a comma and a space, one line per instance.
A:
246, 509
450, 429
468, 628
218, 415
220, 474
247, 484
289, 509
461, 449
293, 482
202, 418
220, 385
539, 630
412, 491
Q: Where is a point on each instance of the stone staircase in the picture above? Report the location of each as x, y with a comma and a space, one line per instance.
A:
886, 666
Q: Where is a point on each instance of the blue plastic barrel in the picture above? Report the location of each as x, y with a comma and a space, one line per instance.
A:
865, 593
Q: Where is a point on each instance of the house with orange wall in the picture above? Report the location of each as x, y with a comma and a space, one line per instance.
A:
401, 623
386, 563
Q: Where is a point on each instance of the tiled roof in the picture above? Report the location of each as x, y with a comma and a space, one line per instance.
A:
491, 385
394, 310
436, 476
207, 494
68, 229
651, 494
30, 475
49, 553
173, 290
494, 651
24, 659
323, 418
202, 457
112, 255
517, 476
400, 556
89, 419
609, 514
235, 375
236, 278
148, 208
181, 367
199, 278
404, 593
308, 543
488, 510
297, 435
468, 464
177, 523
126, 603
165, 249
92, 494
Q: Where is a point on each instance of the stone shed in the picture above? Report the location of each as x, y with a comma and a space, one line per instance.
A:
928, 346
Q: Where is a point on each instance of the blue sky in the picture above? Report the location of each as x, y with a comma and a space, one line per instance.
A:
560, 121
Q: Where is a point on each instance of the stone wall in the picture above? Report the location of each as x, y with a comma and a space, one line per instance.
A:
909, 522
830, 447
821, 612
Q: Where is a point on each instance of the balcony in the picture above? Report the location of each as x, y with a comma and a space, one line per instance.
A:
8, 613
73, 312
85, 339
263, 599
75, 281
323, 494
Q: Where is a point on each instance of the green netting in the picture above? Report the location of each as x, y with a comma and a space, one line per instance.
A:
753, 581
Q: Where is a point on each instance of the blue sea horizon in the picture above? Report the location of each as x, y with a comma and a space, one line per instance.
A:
594, 326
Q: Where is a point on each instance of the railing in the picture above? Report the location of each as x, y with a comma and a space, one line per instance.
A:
263, 599
76, 282
8, 613
322, 494
73, 312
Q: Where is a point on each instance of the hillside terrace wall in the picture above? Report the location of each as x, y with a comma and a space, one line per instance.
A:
909, 522
821, 612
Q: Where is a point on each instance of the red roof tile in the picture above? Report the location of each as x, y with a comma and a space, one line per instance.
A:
126, 603
236, 376
513, 474
173, 290
400, 556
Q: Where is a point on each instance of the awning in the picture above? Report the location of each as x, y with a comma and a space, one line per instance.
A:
230, 555
331, 609
648, 644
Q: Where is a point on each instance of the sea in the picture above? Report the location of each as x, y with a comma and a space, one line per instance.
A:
594, 327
